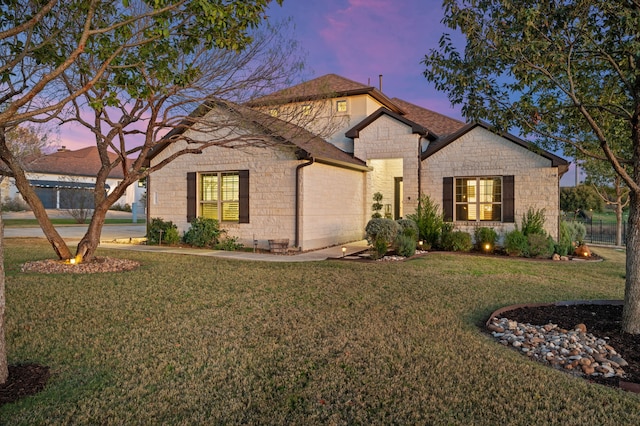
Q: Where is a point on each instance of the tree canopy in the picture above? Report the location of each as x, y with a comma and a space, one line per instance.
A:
565, 73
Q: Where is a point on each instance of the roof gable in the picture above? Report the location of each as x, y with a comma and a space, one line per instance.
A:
308, 144
326, 86
440, 143
354, 132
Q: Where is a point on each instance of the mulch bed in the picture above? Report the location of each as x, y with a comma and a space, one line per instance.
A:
601, 321
98, 264
24, 380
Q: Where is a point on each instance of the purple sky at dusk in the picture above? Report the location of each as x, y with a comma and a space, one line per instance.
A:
361, 39
357, 39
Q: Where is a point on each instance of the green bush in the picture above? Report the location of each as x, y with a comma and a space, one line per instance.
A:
229, 244
485, 236
161, 232
376, 206
408, 227
564, 245
381, 233
405, 245
429, 221
516, 244
533, 222
540, 246
577, 231
456, 241
203, 233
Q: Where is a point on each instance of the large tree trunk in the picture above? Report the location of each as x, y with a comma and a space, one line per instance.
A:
4, 368
89, 244
631, 310
29, 195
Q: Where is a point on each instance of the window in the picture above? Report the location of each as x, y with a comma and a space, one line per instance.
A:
274, 112
220, 196
479, 199
341, 106
306, 109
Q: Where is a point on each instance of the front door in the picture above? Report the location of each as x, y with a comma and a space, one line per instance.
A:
397, 198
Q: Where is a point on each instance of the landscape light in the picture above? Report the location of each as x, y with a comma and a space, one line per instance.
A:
344, 251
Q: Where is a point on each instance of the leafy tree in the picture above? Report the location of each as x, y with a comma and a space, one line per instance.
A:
564, 73
125, 59
580, 198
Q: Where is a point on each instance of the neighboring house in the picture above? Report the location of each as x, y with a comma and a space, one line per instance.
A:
318, 191
65, 179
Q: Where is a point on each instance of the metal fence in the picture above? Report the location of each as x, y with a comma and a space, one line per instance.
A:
600, 232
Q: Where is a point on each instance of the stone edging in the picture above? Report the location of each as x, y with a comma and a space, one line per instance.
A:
628, 386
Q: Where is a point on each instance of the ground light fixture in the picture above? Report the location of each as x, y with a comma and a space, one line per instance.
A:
344, 251
487, 247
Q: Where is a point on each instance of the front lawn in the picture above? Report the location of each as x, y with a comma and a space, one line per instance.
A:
200, 340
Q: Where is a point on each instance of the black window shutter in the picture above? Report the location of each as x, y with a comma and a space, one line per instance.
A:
244, 196
447, 198
508, 199
191, 196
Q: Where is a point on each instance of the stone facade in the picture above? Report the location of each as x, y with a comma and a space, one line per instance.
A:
391, 149
330, 197
483, 153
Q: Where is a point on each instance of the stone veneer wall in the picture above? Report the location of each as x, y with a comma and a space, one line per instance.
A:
331, 197
387, 138
483, 153
271, 190
332, 206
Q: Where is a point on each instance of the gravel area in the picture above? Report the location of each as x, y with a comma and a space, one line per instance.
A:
98, 264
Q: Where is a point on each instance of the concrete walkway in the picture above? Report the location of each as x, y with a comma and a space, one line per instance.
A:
118, 236
310, 256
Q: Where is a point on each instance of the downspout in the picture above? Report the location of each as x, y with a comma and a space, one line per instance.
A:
297, 202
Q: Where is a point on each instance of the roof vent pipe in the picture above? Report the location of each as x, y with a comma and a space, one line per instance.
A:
380, 82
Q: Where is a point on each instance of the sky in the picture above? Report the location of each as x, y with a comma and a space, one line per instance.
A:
362, 39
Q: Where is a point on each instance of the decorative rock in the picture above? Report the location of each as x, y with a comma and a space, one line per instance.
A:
582, 251
564, 258
575, 350
581, 328
555, 256
619, 360
496, 328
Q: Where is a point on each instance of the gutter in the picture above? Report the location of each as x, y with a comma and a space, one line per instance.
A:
297, 202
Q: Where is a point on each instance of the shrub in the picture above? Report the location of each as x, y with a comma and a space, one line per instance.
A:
203, 233
15, 204
540, 246
564, 245
533, 222
161, 232
456, 241
429, 221
376, 206
405, 245
577, 231
121, 208
381, 233
485, 236
516, 244
229, 244
408, 227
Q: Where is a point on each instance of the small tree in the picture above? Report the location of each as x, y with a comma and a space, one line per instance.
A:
376, 206
429, 220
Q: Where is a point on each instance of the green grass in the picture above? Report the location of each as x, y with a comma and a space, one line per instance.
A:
201, 340
24, 223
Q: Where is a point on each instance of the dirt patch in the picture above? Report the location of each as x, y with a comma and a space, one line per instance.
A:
24, 380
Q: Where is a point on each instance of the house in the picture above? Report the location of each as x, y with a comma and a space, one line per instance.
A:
65, 179
312, 182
